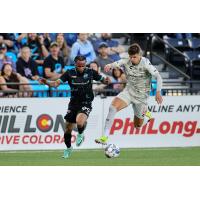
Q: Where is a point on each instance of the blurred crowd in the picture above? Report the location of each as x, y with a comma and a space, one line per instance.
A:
26, 57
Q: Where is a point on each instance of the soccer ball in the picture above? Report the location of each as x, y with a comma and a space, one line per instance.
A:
112, 151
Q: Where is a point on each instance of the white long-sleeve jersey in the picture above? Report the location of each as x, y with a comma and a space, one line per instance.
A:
139, 77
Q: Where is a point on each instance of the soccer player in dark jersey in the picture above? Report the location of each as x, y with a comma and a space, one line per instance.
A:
80, 80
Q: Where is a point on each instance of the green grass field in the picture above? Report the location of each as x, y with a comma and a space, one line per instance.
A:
128, 157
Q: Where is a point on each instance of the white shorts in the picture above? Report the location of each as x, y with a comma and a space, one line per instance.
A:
139, 108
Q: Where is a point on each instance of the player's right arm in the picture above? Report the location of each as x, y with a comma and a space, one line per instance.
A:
56, 83
113, 65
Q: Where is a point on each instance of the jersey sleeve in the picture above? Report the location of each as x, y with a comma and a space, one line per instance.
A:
97, 76
119, 63
154, 72
65, 77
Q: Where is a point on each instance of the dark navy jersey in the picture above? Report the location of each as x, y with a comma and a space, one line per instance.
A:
81, 84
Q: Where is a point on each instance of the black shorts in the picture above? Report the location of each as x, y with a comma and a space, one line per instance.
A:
75, 109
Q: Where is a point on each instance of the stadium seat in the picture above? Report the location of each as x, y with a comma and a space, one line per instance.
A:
192, 55
12, 56
173, 56
61, 91
180, 44
194, 43
192, 62
39, 90
40, 70
154, 88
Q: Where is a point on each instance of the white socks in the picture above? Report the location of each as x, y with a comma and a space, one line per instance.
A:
109, 120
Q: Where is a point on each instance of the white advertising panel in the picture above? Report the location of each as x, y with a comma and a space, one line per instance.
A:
37, 124
175, 123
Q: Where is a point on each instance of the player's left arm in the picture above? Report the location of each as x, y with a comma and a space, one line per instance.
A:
154, 72
99, 77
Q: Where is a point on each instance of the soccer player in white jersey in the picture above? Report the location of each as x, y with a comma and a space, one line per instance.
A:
139, 72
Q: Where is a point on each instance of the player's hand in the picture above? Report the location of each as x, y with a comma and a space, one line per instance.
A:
107, 80
42, 81
107, 68
159, 98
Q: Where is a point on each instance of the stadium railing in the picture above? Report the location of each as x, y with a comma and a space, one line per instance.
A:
64, 90
186, 72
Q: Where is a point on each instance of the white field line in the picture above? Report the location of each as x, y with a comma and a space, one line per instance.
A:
126, 149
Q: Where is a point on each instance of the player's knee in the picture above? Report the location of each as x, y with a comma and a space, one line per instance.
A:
80, 123
68, 129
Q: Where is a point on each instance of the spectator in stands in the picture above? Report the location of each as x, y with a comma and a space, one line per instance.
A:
10, 39
22, 39
4, 58
82, 47
97, 87
53, 64
38, 50
94, 65
118, 78
26, 66
8, 76
70, 38
103, 58
47, 40
5, 38
64, 49
114, 48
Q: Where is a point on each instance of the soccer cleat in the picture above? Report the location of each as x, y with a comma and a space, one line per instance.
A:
148, 114
79, 139
102, 140
67, 152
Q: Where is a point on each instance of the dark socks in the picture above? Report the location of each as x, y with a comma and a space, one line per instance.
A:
81, 128
67, 137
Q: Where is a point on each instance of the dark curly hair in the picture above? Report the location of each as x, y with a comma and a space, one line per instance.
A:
134, 49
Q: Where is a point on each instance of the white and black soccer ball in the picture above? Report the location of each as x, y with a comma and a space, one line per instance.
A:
112, 151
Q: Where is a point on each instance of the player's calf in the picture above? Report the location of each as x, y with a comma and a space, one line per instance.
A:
67, 138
